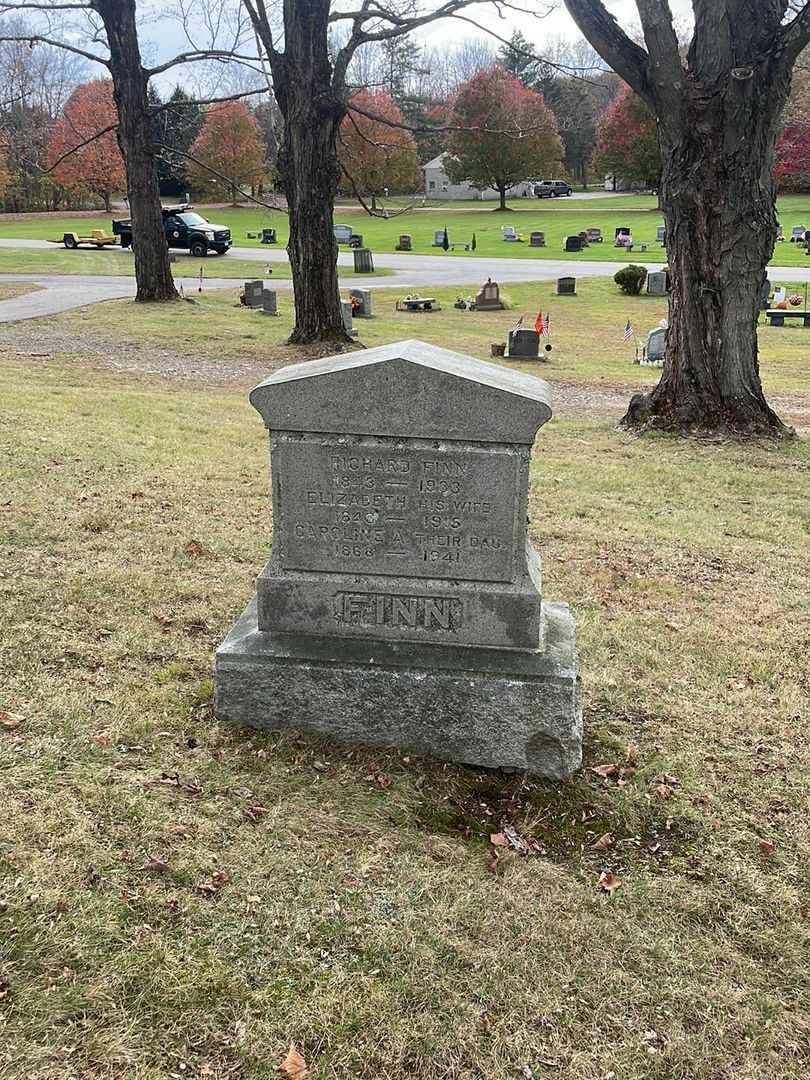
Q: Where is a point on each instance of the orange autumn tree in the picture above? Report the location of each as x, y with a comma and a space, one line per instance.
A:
230, 144
373, 154
98, 166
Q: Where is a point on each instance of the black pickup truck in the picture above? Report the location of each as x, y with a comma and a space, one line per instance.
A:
186, 229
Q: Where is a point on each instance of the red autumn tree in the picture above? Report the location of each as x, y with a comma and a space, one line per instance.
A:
230, 143
627, 141
373, 154
792, 167
505, 133
97, 167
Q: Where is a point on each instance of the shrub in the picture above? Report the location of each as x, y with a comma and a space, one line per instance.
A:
630, 279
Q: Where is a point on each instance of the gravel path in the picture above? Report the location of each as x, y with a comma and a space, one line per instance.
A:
572, 400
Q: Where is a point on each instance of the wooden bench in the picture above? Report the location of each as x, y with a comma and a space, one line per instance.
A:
777, 316
417, 303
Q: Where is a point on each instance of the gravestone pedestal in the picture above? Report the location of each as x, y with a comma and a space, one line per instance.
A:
401, 604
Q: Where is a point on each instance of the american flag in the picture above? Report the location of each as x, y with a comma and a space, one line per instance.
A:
547, 326
539, 325
628, 331
519, 323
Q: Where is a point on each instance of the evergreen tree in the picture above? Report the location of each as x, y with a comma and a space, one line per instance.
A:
175, 129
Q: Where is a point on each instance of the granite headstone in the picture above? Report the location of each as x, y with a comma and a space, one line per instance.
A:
488, 297
657, 283
253, 294
566, 286
401, 604
524, 343
269, 302
362, 305
363, 261
346, 314
656, 344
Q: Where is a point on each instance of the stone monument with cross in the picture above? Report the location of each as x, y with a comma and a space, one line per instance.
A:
402, 601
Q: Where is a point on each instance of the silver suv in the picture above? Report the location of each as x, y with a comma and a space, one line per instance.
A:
549, 189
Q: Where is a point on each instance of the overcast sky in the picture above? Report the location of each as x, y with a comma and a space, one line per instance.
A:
557, 23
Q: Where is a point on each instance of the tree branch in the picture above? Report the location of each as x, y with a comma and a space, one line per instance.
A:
795, 35
610, 41
32, 38
664, 68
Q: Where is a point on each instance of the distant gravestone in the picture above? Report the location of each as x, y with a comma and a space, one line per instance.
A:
268, 236
657, 283
488, 297
401, 603
573, 243
343, 233
438, 238
537, 239
797, 234
363, 261
661, 234
525, 344
269, 302
361, 302
253, 294
346, 313
566, 286
656, 344
405, 242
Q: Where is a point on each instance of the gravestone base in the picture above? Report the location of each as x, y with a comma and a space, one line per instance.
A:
499, 708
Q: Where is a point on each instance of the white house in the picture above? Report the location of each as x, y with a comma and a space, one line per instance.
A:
438, 185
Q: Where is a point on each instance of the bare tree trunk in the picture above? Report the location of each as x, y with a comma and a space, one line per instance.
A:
502, 197
721, 228
309, 170
153, 273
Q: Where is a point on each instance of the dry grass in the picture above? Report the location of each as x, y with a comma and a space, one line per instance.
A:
181, 899
10, 291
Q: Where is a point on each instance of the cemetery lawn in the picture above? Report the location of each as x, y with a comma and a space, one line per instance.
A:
587, 331
556, 217
179, 898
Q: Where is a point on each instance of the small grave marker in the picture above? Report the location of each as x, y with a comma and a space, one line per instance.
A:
488, 297
566, 286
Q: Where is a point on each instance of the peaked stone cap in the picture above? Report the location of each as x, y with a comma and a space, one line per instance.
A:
408, 389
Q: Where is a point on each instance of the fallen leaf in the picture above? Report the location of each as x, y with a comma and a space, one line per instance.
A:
212, 887
155, 866
60, 907
664, 791
293, 1066
604, 841
254, 812
632, 753
193, 548
609, 882
767, 847
492, 860
668, 779
9, 721
497, 839
605, 770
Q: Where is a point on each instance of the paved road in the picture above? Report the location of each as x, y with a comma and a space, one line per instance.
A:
62, 292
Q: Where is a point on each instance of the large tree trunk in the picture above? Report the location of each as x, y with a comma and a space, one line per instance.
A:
153, 273
309, 171
717, 194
